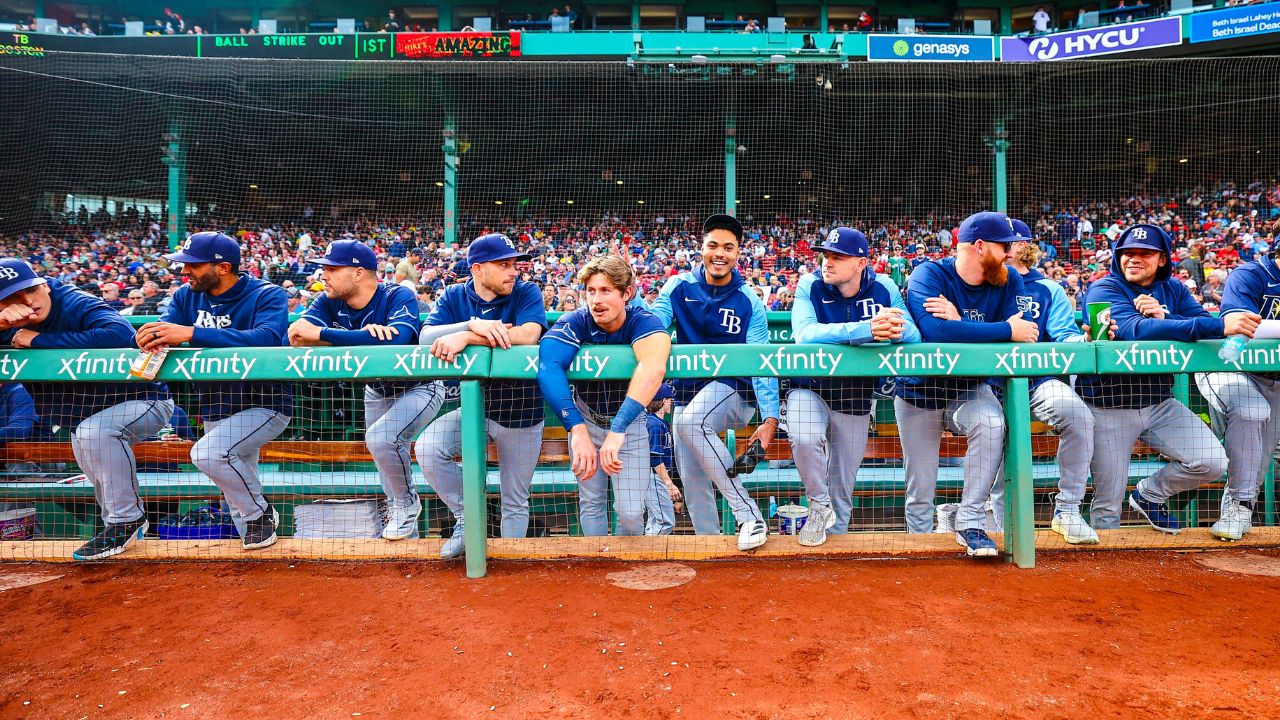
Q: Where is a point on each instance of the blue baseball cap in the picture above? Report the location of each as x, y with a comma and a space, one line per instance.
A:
349, 253
16, 275
989, 226
664, 392
1022, 229
204, 247
491, 248
1148, 237
846, 241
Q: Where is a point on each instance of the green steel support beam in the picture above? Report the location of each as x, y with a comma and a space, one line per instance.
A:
474, 499
444, 21
450, 179
175, 159
1006, 19
822, 17
999, 144
1020, 534
731, 164
635, 14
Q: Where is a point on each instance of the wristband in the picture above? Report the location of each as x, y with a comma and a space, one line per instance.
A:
627, 414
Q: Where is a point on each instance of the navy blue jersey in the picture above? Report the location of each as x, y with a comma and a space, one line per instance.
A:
560, 346
391, 305
1185, 319
510, 403
251, 313
984, 311
18, 418
1255, 288
822, 315
80, 321
706, 314
660, 446
1045, 303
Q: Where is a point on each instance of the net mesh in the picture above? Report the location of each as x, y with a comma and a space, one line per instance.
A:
571, 159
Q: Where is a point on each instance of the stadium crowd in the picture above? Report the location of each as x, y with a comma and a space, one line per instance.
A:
118, 256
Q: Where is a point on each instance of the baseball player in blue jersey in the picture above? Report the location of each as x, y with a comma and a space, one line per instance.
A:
494, 308
1148, 304
106, 418
1053, 402
356, 309
660, 504
1247, 403
971, 298
713, 306
604, 413
827, 419
220, 307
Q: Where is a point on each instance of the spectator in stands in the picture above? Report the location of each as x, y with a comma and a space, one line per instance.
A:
111, 296
392, 24
864, 22
548, 298
569, 303
752, 26
1194, 263
783, 302
134, 302
296, 304
407, 269
1040, 20
150, 299
1211, 292
572, 14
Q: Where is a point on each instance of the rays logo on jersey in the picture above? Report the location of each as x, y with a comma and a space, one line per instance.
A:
206, 319
1028, 306
1270, 307
869, 307
974, 315
730, 321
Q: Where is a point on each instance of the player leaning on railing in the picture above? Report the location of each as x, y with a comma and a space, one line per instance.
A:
106, 418
1146, 303
828, 419
356, 309
222, 307
604, 413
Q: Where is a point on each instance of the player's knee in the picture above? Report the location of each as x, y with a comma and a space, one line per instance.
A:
381, 441
208, 457
89, 432
1255, 413
1210, 466
805, 439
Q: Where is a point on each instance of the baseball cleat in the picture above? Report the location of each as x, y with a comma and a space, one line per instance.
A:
821, 519
1157, 514
946, 513
752, 534
402, 519
1235, 522
976, 543
261, 532
456, 545
113, 540
1072, 527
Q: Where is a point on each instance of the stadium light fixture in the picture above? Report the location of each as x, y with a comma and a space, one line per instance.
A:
253, 187
497, 202
619, 182
568, 202
439, 184
639, 202
766, 197
1183, 160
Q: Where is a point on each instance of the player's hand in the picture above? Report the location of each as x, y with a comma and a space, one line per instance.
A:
304, 332
888, 325
1149, 306
765, 433
447, 347
674, 492
23, 338
1237, 323
383, 333
583, 452
493, 331
16, 315
941, 308
1024, 331
156, 335
609, 450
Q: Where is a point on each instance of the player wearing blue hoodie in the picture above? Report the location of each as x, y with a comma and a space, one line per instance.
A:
221, 307
713, 306
1147, 304
106, 418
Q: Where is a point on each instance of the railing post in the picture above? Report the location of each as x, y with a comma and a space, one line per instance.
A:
475, 501
1020, 534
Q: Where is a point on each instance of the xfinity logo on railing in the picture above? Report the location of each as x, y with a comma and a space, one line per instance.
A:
1090, 43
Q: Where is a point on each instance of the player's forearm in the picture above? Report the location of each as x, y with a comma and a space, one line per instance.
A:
554, 359
430, 333
228, 338
101, 338
853, 333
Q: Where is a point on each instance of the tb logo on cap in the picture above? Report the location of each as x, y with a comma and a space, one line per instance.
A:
1139, 234
833, 236
507, 240
8, 273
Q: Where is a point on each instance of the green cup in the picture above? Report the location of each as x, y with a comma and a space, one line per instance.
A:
1099, 320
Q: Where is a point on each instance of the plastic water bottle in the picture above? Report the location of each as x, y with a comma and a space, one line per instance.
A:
773, 507
1232, 348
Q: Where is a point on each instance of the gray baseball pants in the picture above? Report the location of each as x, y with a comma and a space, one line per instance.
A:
630, 488
1249, 407
390, 425
518, 450
103, 447
659, 511
228, 455
1169, 427
977, 415
704, 459
828, 448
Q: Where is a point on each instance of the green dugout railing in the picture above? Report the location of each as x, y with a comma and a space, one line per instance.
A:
1013, 362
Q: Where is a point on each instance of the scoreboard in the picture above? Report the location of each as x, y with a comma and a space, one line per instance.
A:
327, 46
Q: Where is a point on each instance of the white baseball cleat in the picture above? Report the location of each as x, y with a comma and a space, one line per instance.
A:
1235, 522
1072, 527
752, 534
821, 519
402, 520
456, 545
947, 517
